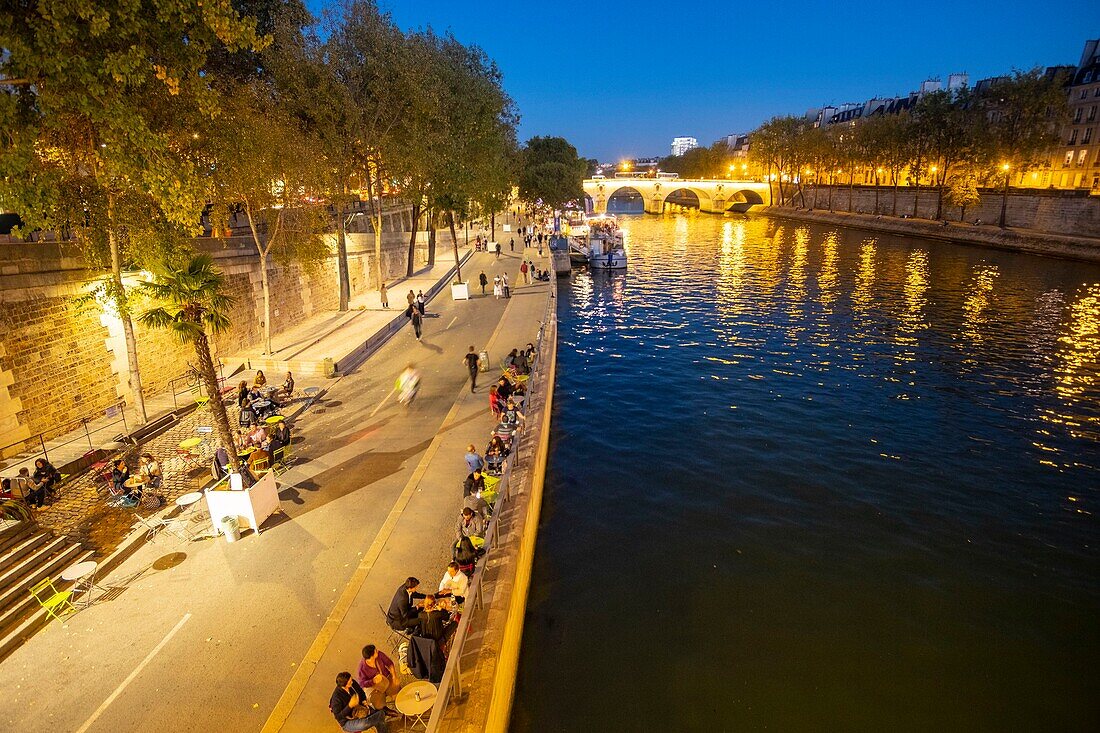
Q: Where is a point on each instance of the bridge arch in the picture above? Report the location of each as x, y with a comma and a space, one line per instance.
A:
703, 201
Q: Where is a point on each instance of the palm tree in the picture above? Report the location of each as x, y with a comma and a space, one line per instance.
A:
195, 304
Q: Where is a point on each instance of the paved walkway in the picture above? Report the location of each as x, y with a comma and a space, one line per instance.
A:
215, 631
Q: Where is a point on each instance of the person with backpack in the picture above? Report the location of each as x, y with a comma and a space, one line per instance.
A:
523, 271
417, 320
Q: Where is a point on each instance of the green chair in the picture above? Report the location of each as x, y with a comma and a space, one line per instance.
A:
57, 603
284, 457
201, 400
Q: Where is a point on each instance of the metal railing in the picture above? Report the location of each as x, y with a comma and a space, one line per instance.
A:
191, 383
451, 684
81, 428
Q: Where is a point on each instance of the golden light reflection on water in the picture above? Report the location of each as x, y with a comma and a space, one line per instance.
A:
915, 289
827, 279
862, 293
1077, 363
980, 289
796, 277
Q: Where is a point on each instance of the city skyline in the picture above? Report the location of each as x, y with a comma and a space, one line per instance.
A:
572, 75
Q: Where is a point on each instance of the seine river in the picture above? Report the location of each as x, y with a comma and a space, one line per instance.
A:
815, 479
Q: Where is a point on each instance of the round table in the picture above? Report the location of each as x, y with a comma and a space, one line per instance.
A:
407, 704
245, 453
274, 419
261, 404
188, 499
190, 443
477, 542
82, 576
134, 482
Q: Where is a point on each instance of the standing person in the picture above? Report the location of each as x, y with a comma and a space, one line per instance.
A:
496, 287
348, 704
504, 285
523, 271
417, 320
384, 295
411, 297
512, 244
540, 248
494, 402
420, 301
471, 364
483, 280
498, 250
474, 462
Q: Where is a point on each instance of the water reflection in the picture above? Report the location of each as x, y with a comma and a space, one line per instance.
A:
977, 302
915, 288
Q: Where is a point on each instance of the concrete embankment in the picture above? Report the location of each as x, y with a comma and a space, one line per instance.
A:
1032, 242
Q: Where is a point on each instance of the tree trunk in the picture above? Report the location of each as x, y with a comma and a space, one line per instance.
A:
492, 227
376, 218
851, 187
123, 306
342, 258
454, 241
939, 192
771, 193
265, 284
876, 193
831, 187
431, 239
962, 212
217, 406
412, 240
894, 205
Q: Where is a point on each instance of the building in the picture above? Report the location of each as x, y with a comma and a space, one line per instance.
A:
1077, 163
681, 145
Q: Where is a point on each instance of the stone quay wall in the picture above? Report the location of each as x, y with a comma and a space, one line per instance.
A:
1053, 212
60, 361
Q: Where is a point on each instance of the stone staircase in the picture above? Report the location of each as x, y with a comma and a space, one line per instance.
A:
29, 554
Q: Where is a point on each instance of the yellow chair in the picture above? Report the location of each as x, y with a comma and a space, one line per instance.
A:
201, 400
260, 466
283, 458
57, 603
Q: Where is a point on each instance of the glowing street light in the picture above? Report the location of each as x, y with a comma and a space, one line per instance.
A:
1004, 194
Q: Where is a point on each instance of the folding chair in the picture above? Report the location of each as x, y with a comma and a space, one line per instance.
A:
176, 528
260, 466
201, 400
284, 457
395, 637
57, 603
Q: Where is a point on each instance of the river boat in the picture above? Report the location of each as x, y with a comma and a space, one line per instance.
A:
605, 247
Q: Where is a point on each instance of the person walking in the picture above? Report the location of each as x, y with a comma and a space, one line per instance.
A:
512, 244
417, 320
384, 296
498, 250
483, 280
496, 287
420, 301
504, 285
523, 271
411, 297
471, 364
540, 248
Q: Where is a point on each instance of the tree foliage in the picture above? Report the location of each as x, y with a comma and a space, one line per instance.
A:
551, 172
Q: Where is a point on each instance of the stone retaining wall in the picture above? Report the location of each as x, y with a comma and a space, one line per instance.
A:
1051, 212
60, 361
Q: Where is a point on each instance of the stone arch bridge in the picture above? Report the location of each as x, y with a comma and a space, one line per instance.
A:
715, 196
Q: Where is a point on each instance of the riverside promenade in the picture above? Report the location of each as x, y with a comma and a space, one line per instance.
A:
216, 633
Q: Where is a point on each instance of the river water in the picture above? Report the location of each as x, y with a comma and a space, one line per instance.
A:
815, 479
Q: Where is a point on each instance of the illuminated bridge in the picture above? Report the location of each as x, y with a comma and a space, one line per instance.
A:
708, 195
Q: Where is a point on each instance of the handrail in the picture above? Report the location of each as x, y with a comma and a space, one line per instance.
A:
193, 382
119, 405
451, 683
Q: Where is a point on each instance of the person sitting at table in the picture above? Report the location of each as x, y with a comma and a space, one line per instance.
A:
260, 379
348, 704
243, 398
280, 438
478, 505
473, 460
151, 475
402, 614
504, 390
496, 447
454, 582
474, 483
44, 479
257, 436
220, 464
435, 623
288, 385
23, 485
466, 555
511, 414
120, 474
470, 524
378, 674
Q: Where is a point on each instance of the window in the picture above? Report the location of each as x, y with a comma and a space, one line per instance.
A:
1084, 93
1087, 137
1072, 137
1088, 77
1069, 159
1077, 114
1096, 92
1081, 154
1092, 113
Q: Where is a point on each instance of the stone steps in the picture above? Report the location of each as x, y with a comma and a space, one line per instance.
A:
27, 556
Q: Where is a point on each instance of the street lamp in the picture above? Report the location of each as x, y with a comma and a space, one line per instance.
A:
1004, 194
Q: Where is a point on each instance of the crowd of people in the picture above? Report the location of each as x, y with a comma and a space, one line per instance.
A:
427, 618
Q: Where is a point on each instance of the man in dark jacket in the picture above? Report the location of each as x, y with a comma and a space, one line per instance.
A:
346, 699
475, 482
402, 615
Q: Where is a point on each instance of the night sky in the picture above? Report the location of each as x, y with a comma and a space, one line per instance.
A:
621, 79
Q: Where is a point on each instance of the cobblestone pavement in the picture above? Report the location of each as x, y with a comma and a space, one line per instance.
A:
82, 511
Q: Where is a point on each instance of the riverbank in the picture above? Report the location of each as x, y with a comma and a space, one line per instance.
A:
1018, 240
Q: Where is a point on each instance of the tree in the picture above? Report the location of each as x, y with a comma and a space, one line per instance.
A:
951, 127
551, 172
264, 167
195, 305
962, 191
109, 131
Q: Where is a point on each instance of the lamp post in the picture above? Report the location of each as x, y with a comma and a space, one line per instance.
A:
1004, 195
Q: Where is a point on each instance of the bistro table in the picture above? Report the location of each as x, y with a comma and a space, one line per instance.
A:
190, 443
82, 576
134, 482
274, 419
190, 511
415, 700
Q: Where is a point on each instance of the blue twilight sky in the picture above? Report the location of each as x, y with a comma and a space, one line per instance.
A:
622, 78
